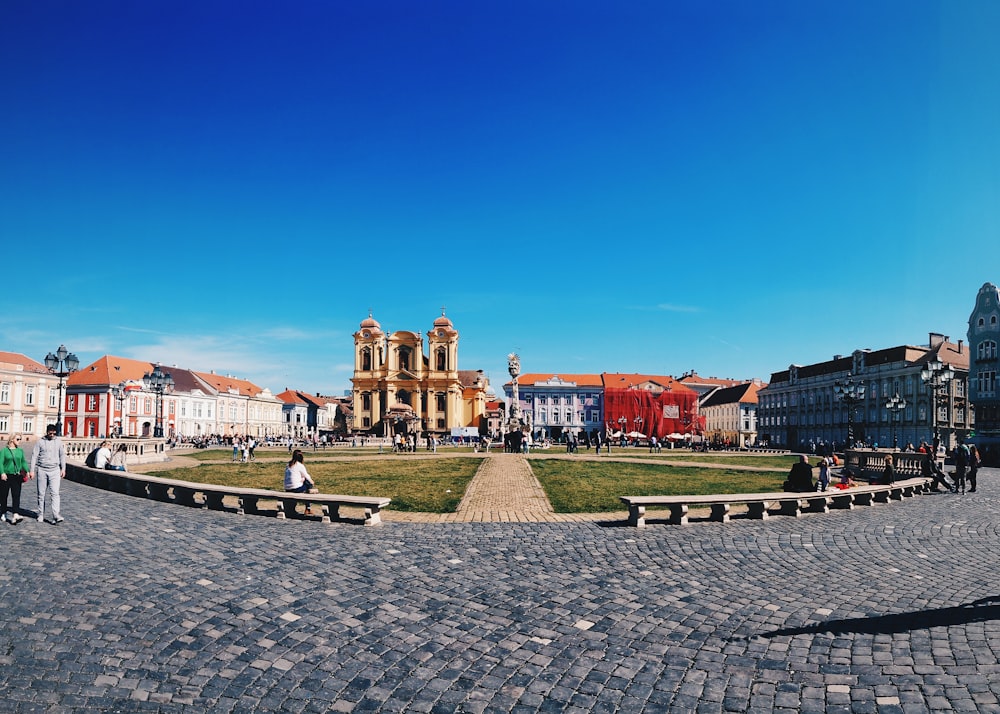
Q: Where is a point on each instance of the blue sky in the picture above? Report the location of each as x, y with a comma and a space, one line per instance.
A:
652, 187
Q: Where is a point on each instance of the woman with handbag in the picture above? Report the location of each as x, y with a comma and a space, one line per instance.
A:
13, 472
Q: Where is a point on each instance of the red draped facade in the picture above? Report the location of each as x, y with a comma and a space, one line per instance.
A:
673, 411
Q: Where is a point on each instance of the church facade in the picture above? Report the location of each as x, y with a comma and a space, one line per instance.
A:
401, 387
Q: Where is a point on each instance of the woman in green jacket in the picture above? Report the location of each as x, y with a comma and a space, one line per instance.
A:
13, 470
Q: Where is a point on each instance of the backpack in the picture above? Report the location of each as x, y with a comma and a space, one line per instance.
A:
91, 460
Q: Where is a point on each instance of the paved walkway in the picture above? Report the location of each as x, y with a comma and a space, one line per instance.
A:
136, 605
504, 490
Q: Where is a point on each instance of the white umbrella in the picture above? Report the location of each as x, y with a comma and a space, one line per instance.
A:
636, 435
675, 436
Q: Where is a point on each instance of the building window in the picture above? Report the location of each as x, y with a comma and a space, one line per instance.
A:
366, 359
91, 402
366, 401
987, 349
71, 402
5, 394
4, 421
29, 395
28, 426
987, 383
441, 402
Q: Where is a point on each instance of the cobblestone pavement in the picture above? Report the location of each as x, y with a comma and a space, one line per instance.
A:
135, 605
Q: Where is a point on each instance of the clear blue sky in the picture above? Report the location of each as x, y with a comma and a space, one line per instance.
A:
730, 187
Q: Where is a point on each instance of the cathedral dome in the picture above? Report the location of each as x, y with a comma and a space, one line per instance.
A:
443, 322
370, 323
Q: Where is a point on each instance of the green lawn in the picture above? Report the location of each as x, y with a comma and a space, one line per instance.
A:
437, 485
714, 457
280, 452
595, 487
424, 486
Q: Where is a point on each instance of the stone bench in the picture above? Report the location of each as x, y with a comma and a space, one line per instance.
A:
213, 497
760, 505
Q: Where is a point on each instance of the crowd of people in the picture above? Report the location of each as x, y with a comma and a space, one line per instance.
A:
963, 479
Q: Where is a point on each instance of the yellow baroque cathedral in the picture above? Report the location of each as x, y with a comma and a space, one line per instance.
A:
398, 388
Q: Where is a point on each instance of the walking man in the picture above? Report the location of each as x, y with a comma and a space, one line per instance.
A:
49, 464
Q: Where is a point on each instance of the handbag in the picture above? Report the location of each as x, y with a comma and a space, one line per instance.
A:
24, 476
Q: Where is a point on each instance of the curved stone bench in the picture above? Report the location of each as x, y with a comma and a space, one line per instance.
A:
213, 497
759, 505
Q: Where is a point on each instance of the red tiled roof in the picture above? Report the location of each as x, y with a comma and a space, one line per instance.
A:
618, 380
29, 365
695, 378
109, 370
225, 384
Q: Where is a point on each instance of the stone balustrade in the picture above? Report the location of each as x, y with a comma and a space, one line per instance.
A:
138, 450
870, 464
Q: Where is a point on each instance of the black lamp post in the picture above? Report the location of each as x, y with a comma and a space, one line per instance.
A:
62, 363
850, 393
637, 424
894, 405
936, 375
160, 383
120, 394
622, 421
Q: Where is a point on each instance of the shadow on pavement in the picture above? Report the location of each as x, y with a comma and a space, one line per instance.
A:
977, 611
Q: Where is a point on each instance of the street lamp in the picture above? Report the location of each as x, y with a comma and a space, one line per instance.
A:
894, 405
61, 364
160, 383
637, 424
936, 376
850, 393
622, 421
120, 393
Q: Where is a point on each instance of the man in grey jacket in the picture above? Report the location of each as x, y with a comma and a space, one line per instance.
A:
49, 465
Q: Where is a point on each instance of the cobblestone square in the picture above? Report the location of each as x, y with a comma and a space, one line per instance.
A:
135, 605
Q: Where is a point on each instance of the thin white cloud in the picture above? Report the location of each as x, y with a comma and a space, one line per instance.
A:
666, 307
727, 344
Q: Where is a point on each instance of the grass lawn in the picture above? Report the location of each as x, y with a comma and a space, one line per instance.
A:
437, 485
337, 452
425, 486
595, 487
763, 460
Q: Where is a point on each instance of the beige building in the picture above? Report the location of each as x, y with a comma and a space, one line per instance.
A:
397, 387
731, 415
29, 395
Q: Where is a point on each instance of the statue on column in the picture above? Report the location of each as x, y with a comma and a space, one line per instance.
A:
514, 367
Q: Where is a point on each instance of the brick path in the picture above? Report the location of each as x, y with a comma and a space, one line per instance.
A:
134, 605
504, 490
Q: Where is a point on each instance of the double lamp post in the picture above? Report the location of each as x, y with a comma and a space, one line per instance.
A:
160, 383
61, 363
